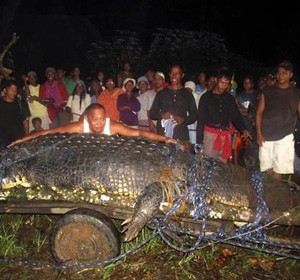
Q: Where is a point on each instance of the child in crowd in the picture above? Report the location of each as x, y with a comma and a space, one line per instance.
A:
37, 124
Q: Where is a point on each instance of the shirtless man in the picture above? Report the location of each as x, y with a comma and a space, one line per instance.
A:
95, 121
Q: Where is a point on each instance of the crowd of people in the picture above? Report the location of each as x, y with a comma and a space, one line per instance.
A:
161, 108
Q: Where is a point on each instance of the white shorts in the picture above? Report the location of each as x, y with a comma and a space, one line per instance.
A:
278, 155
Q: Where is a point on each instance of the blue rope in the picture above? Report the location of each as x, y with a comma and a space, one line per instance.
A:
254, 233
262, 250
197, 193
262, 216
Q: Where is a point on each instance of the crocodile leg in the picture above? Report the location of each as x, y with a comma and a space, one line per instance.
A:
145, 209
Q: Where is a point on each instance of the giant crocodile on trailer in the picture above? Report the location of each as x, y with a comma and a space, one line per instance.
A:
92, 178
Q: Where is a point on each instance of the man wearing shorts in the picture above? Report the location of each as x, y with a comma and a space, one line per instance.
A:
275, 123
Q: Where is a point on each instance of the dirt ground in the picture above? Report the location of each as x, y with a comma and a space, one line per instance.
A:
156, 260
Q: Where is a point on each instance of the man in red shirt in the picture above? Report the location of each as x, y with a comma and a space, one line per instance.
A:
55, 95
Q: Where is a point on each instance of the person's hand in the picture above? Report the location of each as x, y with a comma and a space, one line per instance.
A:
166, 115
70, 115
178, 120
49, 102
246, 135
170, 141
173, 141
152, 127
13, 143
25, 79
125, 108
259, 139
244, 111
30, 99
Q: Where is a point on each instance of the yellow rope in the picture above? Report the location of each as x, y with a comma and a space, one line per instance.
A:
168, 181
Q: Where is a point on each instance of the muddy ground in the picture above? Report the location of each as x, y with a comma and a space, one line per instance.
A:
155, 260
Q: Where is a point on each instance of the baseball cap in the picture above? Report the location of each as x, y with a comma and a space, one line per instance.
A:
161, 74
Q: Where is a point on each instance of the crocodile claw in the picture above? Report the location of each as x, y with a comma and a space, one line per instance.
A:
145, 209
131, 232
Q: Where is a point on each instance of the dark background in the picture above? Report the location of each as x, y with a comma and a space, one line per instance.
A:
258, 30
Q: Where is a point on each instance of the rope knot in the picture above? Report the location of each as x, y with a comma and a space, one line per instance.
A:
172, 187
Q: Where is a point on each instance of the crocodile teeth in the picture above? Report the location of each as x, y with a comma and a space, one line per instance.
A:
18, 181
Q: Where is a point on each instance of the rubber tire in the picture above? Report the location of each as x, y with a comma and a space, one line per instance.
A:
83, 236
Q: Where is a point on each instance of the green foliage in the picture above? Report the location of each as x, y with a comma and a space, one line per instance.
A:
39, 241
9, 245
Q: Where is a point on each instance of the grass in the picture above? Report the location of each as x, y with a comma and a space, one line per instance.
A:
26, 237
9, 245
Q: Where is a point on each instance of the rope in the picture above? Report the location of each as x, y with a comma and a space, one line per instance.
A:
262, 211
245, 237
172, 186
196, 192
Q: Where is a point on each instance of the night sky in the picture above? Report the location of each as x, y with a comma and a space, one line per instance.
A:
258, 30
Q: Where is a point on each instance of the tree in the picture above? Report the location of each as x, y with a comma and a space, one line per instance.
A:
191, 49
7, 18
4, 71
111, 55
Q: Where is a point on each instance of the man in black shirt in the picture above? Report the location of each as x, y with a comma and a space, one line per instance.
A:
217, 112
277, 113
174, 107
14, 114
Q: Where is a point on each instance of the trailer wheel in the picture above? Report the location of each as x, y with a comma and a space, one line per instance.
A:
84, 235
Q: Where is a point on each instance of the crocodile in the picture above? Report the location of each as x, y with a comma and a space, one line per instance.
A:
132, 173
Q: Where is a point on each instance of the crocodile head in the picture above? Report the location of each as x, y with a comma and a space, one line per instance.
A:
15, 177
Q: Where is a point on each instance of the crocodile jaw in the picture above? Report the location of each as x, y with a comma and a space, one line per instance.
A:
17, 181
